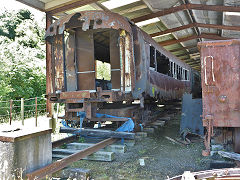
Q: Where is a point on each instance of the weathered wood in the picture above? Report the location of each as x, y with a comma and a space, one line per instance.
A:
230, 155
111, 148
97, 156
63, 141
98, 133
158, 123
174, 141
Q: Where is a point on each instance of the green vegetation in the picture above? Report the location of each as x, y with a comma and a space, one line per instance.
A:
22, 57
103, 70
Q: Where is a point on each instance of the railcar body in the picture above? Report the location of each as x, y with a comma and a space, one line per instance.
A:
220, 84
139, 67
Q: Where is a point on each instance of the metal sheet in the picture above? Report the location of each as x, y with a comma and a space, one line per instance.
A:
191, 111
58, 61
115, 60
101, 19
85, 58
70, 63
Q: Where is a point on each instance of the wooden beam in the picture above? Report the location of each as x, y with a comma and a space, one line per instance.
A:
186, 53
183, 48
183, 7
192, 25
49, 75
172, 30
34, 4
73, 5
98, 133
203, 35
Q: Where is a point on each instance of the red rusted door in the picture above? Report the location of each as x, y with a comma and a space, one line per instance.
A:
220, 82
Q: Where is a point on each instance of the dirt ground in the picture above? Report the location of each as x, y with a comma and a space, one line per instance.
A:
162, 157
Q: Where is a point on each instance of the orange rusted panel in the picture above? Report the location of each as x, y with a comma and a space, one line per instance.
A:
220, 62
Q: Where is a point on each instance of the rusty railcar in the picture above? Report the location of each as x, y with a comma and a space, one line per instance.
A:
220, 61
139, 67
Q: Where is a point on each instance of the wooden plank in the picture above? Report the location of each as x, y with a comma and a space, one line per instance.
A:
230, 155
58, 165
63, 141
182, 7
95, 119
98, 133
183, 48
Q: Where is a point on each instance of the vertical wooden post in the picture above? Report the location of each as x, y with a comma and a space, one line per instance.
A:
11, 103
22, 110
36, 113
48, 67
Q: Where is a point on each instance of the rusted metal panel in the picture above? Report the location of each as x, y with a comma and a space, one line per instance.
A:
85, 59
70, 63
49, 76
101, 19
215, 174
75, 95
58, 62
220, 62
115, 60
166, 87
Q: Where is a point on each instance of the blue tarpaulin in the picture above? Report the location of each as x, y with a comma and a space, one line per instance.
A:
128, 126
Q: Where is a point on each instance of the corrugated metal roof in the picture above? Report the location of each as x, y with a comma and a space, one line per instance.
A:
185, 50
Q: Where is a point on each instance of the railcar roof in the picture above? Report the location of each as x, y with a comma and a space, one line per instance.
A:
178, 25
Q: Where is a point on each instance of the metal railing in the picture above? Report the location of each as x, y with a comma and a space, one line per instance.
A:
21, 109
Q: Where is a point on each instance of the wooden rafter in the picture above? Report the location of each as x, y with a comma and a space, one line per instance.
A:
203, 35
184, 54
183, 48
71, 6
192, 25
187, 7
34, 4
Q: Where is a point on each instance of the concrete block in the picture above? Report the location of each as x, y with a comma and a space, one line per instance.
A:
158, 123
165, 118
148, 130
111, 148
23, 151
73, 173
140, 135
217, 147
97, 156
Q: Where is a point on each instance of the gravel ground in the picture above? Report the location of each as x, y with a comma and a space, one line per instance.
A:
162, 158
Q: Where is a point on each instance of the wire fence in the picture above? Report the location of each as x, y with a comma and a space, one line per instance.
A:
21, 109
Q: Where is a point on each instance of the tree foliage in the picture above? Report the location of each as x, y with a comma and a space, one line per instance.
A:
22, 56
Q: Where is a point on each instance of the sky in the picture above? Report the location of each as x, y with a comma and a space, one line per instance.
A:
10, 5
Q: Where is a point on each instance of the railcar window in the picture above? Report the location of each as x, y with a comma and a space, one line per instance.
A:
185, 73
174, 70
181, 73
171, 69
162, 63
152, 57
178, 72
